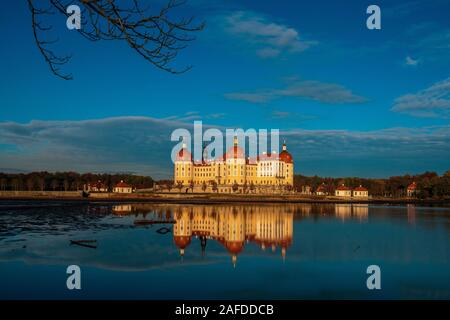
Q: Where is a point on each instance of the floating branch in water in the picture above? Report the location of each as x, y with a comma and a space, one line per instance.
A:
144, 222
163, 230
85, 243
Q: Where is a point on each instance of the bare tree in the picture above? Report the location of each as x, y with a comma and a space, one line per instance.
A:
15, 183
41, 183
54, 184
66, 184
155, 36
30, 184
3, 183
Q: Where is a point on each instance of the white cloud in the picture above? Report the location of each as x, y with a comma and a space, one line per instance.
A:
430, 102
142, 145
269, 39
410, 61
330, 93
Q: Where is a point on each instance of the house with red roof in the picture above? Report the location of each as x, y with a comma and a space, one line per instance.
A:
411, 191
343, 191
122, 187
360, 192
98, 186
321, 190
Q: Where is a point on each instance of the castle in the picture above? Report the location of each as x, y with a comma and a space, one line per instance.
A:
234, 172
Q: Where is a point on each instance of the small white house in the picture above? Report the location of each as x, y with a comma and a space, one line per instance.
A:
360, 192
411, 190
98, 186
321, 190
122, 187
343, 191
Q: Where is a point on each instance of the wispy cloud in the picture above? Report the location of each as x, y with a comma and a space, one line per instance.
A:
137, 144
253, 97
330, 93
194, 115
268, 38
142, 145
411, 62
291, 116
430, 102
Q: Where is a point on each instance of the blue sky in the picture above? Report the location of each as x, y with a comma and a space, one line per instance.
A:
350, 101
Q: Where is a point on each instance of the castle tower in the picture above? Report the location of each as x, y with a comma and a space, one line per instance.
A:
182, 231
287, 166
184, 167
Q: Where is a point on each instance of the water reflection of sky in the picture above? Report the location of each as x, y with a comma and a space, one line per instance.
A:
225, 251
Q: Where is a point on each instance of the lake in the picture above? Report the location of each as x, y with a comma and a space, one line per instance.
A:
230, 251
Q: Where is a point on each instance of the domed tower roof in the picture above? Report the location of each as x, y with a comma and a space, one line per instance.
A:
234, 247
182, 241
285, 156
184, 154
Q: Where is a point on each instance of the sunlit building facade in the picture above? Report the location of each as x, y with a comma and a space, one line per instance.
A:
233, 227
234, 172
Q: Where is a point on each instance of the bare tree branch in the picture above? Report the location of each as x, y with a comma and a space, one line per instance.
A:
155, 37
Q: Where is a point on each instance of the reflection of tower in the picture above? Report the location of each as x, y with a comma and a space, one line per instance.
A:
203, 245
234, 234
182, 229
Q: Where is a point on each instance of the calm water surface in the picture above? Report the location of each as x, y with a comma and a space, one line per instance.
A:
292, 251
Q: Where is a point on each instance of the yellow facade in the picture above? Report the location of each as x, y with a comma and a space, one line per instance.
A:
234, 226
235, 169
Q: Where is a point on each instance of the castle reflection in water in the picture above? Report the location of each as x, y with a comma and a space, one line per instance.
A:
233, 226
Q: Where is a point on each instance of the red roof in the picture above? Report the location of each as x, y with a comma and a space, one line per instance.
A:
321, 188
184, 155
360, 188
234, 247
268, 157
97, 185
182, 241
286, 156
412, 186
122, 184
343, 188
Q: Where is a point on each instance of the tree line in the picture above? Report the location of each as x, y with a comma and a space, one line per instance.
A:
67, 181
429, 184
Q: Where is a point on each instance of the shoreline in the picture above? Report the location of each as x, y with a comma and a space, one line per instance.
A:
177, 198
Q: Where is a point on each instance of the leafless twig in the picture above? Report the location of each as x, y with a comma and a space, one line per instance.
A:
156, 37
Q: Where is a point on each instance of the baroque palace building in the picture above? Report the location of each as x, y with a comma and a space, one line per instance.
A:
234, 172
